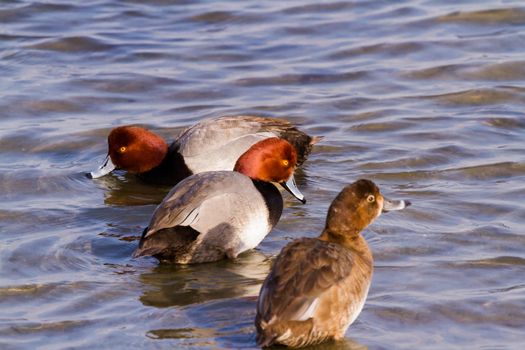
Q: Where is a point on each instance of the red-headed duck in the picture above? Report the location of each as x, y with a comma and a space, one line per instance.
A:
318, 286
220, 214
210, 145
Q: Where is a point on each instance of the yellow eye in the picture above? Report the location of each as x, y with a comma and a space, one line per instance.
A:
122, 149
371, 199
285, 162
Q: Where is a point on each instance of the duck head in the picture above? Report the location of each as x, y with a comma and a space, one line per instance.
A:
355, 207
271, 160
132, 148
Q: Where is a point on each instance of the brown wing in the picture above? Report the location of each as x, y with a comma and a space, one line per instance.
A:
303, 271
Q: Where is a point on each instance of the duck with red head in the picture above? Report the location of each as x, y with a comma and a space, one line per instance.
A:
318, 286
220, 214
210, 145
136, 149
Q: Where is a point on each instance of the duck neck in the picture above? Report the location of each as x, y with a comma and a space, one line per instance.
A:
272, 198
170, 171
353, 241
346, 239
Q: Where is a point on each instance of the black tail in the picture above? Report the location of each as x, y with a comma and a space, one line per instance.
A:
302, 143
166, 243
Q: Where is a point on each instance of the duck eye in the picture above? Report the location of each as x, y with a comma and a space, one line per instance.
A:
371, 198
122, 149
285, 162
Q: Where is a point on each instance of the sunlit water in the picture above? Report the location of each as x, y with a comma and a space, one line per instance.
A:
426, 98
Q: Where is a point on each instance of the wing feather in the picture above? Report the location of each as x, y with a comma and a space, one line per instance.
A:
302, 273
184, 204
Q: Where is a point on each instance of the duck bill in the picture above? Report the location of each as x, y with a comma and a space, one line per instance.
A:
390, 205
291, 187
104, 169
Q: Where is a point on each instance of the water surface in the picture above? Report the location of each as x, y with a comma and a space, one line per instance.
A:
426, 98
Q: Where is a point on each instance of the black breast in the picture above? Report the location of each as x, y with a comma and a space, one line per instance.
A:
272, 198
170, 172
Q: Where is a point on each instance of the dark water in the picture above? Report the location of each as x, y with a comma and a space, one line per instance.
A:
427, 98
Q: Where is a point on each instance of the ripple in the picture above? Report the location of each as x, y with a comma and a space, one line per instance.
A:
493, 17
476, 312
384, 49
412, 162
53, 106
23, 12
448, 71
501, 71
478, 172
134, 83
489, 171
381, 127
47, 328
506, 71
319, 8
214, 17
301, 79
478, 97
506, 123
499, 261
74, 44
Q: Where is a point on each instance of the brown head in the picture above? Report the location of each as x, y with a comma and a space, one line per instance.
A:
136, 149
354, 208
271, 160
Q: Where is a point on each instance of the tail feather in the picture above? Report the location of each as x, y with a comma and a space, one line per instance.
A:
265, 337
166, 244
289, 333
316, 139
302, 143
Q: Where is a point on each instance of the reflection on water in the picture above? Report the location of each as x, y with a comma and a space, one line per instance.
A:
170, 285
425, 98
123, 189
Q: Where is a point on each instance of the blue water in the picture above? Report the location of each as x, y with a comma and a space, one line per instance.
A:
426, 98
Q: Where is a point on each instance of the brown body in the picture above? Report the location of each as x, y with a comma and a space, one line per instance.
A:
318, 286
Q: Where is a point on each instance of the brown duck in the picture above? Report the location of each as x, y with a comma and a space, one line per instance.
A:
318, 286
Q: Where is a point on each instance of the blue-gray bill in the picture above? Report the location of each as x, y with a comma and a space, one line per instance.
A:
104, 169
291, 187
389, 205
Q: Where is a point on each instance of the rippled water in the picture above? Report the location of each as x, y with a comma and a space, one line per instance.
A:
424, 97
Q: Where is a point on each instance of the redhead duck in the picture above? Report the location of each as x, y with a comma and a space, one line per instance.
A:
318, 286
220, 214
210, 145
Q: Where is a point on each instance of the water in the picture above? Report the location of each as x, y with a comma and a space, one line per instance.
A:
426, 98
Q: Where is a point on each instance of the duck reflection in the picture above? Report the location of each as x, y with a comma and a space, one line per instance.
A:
213, 304
123, 189
181, 285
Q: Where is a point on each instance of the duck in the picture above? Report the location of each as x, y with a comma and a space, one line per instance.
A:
317, 286
210, 145
215, 215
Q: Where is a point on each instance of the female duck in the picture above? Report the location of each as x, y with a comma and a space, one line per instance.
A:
318, 286
211, 145
220, 214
